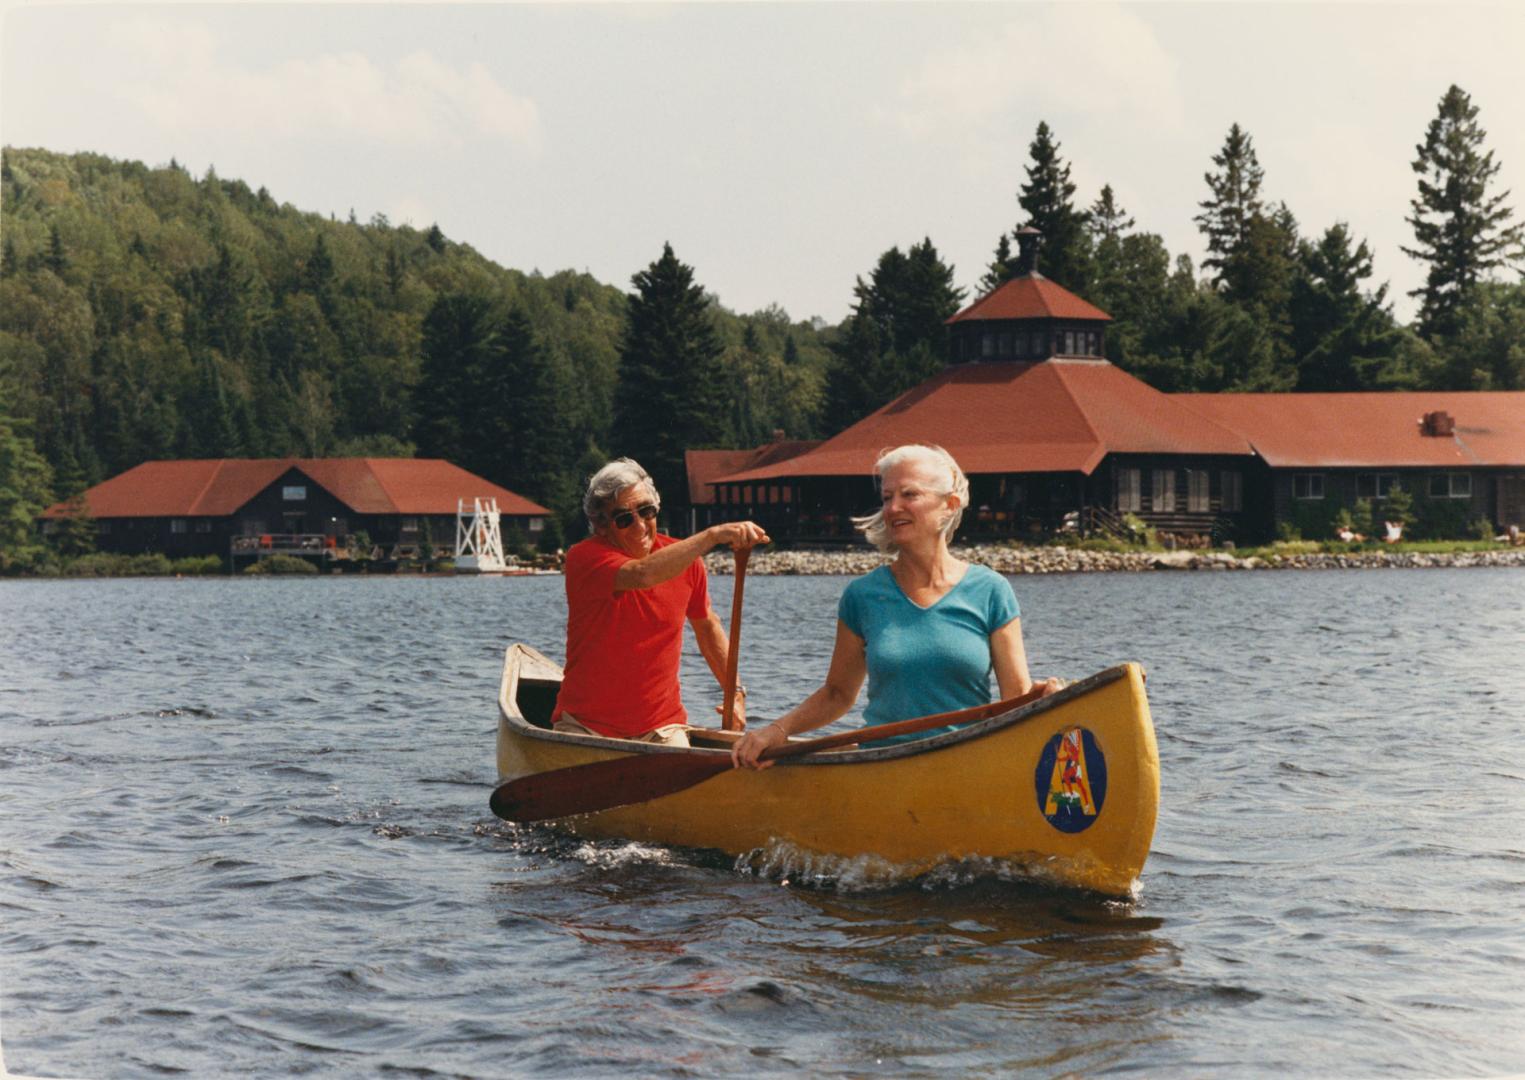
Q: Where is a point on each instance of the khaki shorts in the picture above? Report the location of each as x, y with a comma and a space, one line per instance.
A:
666, 735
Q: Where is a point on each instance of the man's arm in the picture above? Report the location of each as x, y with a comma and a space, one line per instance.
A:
666, 563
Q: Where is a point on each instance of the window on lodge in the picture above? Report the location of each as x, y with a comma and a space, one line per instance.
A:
179, 525
294, 492
1198, 491
1128, 494
1375, 485
1233, 491
1455, 485
1307, 485
1163, 497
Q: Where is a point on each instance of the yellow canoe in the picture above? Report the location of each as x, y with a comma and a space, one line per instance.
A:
1065, 789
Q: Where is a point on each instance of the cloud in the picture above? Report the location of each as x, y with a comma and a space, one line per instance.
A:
418, 101
1078, 58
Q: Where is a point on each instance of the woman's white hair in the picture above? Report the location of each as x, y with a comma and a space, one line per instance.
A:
940, 465
605, 486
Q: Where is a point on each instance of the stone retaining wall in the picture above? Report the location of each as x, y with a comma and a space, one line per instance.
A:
1060, 560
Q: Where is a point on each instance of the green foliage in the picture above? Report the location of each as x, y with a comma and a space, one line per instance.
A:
1487, 349
1138, 531
281, 564
1443, 519
1460, 230
1397, 507
1343, 338
1229, 214
25, 492
1048, 196
672, 389
516, 543
896, 336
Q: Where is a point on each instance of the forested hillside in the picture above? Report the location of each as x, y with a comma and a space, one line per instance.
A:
146, 313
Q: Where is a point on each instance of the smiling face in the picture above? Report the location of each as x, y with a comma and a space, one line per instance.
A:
636, 538
914, 511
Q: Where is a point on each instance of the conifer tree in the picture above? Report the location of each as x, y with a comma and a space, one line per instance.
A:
1048, 197
459, 332
1000, 268
1460, 230
25, 492
672, 393
1342, 337
1228, 215
896, 336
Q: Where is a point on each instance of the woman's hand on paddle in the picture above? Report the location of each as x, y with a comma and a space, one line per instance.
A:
738, 534
1050, 686
750, 747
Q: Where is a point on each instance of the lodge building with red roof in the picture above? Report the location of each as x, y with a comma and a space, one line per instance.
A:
243, 508
1054, 436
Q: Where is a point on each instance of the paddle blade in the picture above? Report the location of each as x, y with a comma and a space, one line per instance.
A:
602, 785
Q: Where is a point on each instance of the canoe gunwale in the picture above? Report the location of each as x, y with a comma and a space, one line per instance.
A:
512, 720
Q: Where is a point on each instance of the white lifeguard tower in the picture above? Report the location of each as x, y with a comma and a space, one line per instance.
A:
478, 538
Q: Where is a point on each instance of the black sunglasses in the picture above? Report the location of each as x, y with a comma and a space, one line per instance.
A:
623, 519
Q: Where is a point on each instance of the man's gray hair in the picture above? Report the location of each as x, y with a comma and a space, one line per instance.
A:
605, 486
940, 464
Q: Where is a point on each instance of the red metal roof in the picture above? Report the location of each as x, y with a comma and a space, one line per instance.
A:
1372, 429
218, 487
704, 467
1031, 296
1015, 417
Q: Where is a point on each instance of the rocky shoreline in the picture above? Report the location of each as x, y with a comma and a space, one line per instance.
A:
1063, 560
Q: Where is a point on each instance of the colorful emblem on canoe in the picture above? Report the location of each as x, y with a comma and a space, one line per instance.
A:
1071, 780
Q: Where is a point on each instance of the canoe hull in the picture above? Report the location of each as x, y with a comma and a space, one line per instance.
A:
1066, 789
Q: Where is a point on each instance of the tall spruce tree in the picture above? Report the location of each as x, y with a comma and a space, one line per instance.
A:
1048, 197
459, 334
896, 336
672, 394
1343, 338
1230, 212
1000, 267
1460, 231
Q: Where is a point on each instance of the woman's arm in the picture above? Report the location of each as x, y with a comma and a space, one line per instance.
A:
1009, 658
844, 678
666, 563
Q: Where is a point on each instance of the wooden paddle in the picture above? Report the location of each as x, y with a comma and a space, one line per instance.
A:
603, 785
728, 720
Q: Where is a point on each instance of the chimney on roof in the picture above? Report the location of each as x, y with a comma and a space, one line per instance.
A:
778, 435
1029, 240
1439, 423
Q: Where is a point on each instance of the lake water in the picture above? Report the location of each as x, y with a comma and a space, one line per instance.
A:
244, 831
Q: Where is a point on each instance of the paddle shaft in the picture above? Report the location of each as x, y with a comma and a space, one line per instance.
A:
728, 720
900, 727
636, 778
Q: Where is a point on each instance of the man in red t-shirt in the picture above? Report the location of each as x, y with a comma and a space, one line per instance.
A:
629, 589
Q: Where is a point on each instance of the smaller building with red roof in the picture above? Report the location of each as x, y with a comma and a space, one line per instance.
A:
249, 506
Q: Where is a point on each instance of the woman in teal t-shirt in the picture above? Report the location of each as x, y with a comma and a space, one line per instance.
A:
926, 630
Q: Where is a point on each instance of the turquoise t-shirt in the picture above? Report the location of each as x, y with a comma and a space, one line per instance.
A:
926, 660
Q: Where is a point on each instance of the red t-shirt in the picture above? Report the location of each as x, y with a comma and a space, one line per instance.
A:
623, 648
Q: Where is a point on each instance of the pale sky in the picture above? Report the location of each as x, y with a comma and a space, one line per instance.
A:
779, 147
